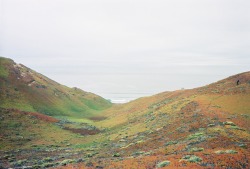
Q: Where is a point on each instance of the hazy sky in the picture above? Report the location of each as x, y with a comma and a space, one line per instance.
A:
128, 48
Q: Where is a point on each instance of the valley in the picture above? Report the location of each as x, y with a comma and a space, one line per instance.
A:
47, 125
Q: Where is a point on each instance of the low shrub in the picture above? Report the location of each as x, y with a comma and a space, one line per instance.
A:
163, 164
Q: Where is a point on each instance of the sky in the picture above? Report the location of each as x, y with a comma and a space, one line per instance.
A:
125, 49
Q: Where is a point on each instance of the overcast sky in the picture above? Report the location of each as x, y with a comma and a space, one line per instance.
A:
128, 48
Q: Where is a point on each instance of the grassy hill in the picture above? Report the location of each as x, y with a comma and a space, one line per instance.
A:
25, 89
206, 127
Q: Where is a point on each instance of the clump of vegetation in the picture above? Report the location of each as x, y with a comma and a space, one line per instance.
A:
8, 156
46, 165
79, 160
91, 154
36, 166
116, 155
67, 161
47, 159
229, 123
11, 159
138, 153
195, 136
236, 128
231, 152
163, 164
147, 153
226, 152
19, 163
171, 143
128, 145
192, 158
243, 145
196, 149
211, 125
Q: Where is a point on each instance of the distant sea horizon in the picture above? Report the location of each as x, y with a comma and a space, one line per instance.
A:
120, 98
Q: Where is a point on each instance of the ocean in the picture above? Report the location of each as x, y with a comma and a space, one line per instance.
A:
124, 97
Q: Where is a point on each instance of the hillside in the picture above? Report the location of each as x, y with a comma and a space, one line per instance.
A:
224, 93
24, 89
205, 127
200, 128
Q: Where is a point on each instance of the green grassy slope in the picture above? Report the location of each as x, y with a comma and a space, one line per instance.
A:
25, 89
